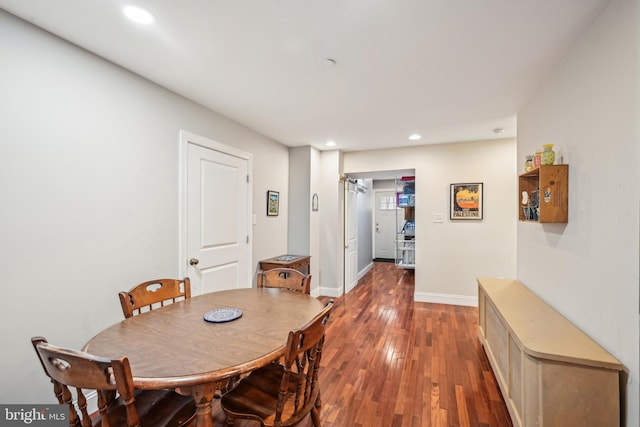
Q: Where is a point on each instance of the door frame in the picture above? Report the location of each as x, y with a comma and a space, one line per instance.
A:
185, 139
346, 287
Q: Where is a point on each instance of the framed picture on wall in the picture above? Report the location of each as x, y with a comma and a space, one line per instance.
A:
466, 201
273, 203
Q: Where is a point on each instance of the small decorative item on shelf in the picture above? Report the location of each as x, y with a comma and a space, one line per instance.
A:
535, 205
530, 205
548, 155
537, 159
528, 164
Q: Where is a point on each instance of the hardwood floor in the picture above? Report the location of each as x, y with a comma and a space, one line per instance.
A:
390, 362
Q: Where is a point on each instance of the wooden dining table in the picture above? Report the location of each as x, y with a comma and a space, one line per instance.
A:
173, 347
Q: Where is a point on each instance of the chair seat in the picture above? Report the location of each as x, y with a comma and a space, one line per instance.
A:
257, 394
156, 408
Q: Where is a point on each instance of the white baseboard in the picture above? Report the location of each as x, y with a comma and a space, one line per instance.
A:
329, 292
336, 292
360, 275
451, 299
92, 401
365, 270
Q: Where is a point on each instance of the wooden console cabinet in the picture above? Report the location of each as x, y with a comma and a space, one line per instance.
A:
550, 373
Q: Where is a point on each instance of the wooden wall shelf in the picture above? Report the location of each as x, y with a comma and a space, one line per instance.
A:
552, 186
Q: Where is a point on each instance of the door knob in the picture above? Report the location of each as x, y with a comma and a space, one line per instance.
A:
194, 261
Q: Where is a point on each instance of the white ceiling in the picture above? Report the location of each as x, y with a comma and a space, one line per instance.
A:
450, 70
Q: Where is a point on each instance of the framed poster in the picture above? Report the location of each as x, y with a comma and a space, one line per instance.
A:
466, 201
273, 203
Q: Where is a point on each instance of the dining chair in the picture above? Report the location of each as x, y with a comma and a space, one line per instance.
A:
282, 394
287, 278
152, 294
70, 369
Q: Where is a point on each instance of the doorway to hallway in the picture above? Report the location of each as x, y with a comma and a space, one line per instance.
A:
363, 216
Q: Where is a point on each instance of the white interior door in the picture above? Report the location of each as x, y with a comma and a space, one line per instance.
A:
218, 234
351, 237
385, 224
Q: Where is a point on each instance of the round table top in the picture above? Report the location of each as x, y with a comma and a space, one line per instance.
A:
175, 347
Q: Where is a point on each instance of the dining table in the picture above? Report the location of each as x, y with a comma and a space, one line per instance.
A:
174, 347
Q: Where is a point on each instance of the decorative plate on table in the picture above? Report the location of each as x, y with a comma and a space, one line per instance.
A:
287, 258
221, 315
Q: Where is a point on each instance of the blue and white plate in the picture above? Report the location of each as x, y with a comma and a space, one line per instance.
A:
221, 315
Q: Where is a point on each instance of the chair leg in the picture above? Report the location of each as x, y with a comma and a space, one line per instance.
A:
315, 417
315, 412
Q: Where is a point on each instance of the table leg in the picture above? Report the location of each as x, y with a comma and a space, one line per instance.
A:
203, 396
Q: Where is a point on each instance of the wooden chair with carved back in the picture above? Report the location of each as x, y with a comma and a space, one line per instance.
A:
152, 294
76, 370
282, 394
286, 278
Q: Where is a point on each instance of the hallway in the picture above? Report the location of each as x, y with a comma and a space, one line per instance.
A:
389, 361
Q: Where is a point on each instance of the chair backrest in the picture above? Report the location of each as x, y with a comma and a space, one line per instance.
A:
287, 278
152, 294
75, 369
301, 366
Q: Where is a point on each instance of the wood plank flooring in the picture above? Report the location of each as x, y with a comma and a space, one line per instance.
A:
390, 362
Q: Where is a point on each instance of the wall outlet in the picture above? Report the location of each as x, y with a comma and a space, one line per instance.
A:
438, 217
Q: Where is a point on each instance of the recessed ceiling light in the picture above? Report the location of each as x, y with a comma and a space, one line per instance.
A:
138, 15
330, 143
415, 137
498, 131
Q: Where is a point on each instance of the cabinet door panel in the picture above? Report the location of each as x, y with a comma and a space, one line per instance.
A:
497, 338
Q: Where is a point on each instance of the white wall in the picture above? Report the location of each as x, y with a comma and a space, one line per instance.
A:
451, 255
89, 193
304, 224
330, 193
589, 108
314, 222
384, 184
299, 209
